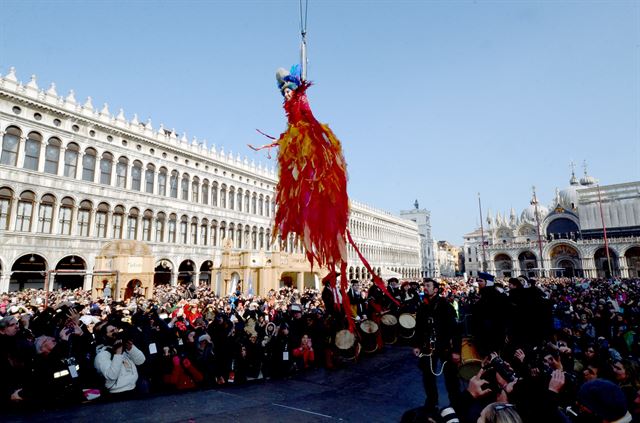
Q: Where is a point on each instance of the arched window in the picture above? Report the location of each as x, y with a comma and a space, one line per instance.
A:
184, 226
160, 221
25, 211
136, 176
132, 223
52, 156
89, 164
267, 240
10, 143
121, 172
185, 187
268, 206
223, 231
101, 220
205, 192
173, 220
254, 203
149, 174
64, 215
239, 236
204, 231
214, 194
254, 238
84, 215
162, 181
223, 196
195, 189
71, 160
32, 151
6, 197
106, 163
173, 184
194, 230
146, 225
231, 232
239, 199
214, 233
118, 218
45, 215
232, 198
261, 205
246, 201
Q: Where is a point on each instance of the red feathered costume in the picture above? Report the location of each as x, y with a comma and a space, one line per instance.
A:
312, 191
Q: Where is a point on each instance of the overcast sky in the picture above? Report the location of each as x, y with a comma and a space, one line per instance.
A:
432, 100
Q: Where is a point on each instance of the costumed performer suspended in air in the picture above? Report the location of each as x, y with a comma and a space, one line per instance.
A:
311, 194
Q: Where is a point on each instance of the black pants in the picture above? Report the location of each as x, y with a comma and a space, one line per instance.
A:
429, 379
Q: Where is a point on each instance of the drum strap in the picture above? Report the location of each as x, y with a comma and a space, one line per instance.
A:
433, 372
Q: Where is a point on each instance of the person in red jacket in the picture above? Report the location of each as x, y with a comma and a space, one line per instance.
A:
304, 354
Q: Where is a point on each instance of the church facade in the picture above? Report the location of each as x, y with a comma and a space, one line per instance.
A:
565, 239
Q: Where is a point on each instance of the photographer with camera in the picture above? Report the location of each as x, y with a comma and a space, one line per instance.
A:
116, 361
437, 344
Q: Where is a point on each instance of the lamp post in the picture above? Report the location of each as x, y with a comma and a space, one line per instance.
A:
534, 201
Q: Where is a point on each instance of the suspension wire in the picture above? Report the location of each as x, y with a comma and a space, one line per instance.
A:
303, 34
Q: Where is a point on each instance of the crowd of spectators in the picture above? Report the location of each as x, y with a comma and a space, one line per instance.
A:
554, 347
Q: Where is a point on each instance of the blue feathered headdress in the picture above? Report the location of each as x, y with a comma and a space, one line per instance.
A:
291, 79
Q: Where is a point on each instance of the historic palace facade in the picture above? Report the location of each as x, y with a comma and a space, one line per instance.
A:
76, 180
571, 235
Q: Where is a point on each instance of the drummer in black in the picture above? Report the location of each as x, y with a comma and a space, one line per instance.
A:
437, 344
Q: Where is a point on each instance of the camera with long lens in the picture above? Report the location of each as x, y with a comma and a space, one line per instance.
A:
501, 368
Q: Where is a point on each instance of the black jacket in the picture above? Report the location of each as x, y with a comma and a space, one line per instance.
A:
437, 318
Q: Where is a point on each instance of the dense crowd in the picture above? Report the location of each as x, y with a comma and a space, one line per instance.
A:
552, 349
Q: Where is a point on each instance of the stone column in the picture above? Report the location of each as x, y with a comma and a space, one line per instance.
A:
92, 223
54, 219
138, 235
79, 165
13, 214
5, 279
516, 267
174, 277
113, 172
35, 217
300, 281
156, 188
129, 177
74, 221
42, 157
61, 161
107, 224
87, 282
96, 169
21, 151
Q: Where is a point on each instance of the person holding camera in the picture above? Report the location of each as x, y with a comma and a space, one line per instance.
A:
116, 361
437, 343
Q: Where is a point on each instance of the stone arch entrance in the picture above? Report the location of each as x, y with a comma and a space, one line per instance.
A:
205, 273
77, 270
162, 273
118, 263
606, 266
186, 272
28, 272
504, 265
133, 289
528, 263
565, 261
632, 255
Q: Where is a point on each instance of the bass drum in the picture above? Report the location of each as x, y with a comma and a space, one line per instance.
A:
346, 345
369, 336
407, 325
470, 360
389, 328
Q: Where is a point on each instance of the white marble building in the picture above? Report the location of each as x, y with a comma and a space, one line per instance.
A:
571, 234
74, 177
422, 217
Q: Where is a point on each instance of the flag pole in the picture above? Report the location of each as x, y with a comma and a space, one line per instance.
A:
484, 254
534, 201
604, 230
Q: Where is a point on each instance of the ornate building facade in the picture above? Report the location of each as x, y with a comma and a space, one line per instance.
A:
74, 179
571, 242
422, 217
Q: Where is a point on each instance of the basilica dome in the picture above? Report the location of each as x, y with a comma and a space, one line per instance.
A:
529, 214
569, 196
